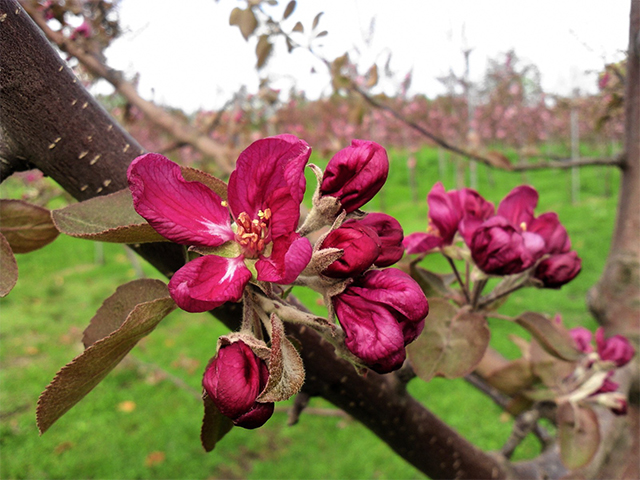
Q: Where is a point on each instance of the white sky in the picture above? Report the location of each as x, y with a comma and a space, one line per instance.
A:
190, 57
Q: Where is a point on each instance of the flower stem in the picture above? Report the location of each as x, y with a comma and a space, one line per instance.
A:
462, 284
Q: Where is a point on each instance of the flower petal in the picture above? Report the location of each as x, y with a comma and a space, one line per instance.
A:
209, 281
420, 242
188, 213
290, 255
518, 206
373, 332
270, 174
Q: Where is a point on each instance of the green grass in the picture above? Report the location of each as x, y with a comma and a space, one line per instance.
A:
143, 420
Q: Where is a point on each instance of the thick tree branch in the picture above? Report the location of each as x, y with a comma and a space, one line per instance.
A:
182, 132
53, 122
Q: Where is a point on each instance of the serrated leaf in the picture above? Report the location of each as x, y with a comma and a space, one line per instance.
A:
554, 339
548, 368
115, 309
214, 424
25, 226
8, 267
286, 370
108, 218
76, 379
578, 434
263, 50
298, 27
245, 19
451, 344
291, 6
513, 378
316, 20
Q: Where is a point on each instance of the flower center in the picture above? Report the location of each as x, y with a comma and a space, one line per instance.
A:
253, 235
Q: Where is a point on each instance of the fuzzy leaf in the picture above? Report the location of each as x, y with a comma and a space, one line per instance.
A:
316, 20
245, 19
451, 344
8, 268
263, 50
291, 6
554, 339
83, 373
579, 435
286, 371
115, 309
25, 226
513, 378
298, 27
214, 425
548, 368
109, 218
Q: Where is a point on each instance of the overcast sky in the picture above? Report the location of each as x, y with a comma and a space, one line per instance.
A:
189, 56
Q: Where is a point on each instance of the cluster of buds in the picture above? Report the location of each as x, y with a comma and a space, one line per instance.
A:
245, 243
592, 380
506, 241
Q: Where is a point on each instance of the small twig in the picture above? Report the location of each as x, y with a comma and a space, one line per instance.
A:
524, 424
463, 285
493, 393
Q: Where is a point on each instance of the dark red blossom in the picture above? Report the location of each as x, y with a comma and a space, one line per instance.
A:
264, 195
616, 349
498, 248
233, 380
448, 212
381, 313
582, 338
355, 174
360, 245
390, 234
556, 270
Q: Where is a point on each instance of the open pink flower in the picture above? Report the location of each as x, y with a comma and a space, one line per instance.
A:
264, 195
448, 211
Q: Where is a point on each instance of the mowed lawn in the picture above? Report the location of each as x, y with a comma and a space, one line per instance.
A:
143, 420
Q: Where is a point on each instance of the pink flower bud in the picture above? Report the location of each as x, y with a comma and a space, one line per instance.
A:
616, 349
582, 337
361, 247
558, 269
390, 234
381, 313
498, 248
355, 174
233, 380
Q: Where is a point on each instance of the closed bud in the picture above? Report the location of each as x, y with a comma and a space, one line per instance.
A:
233, 380
559, 269
361, 247
355, 174
582, 338
616, 349
390, 234
381, 313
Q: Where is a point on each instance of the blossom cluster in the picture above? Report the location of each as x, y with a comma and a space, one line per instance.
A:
249, 242
508, 240
602, 361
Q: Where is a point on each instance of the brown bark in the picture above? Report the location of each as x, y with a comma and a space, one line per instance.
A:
50, 121
181, 131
